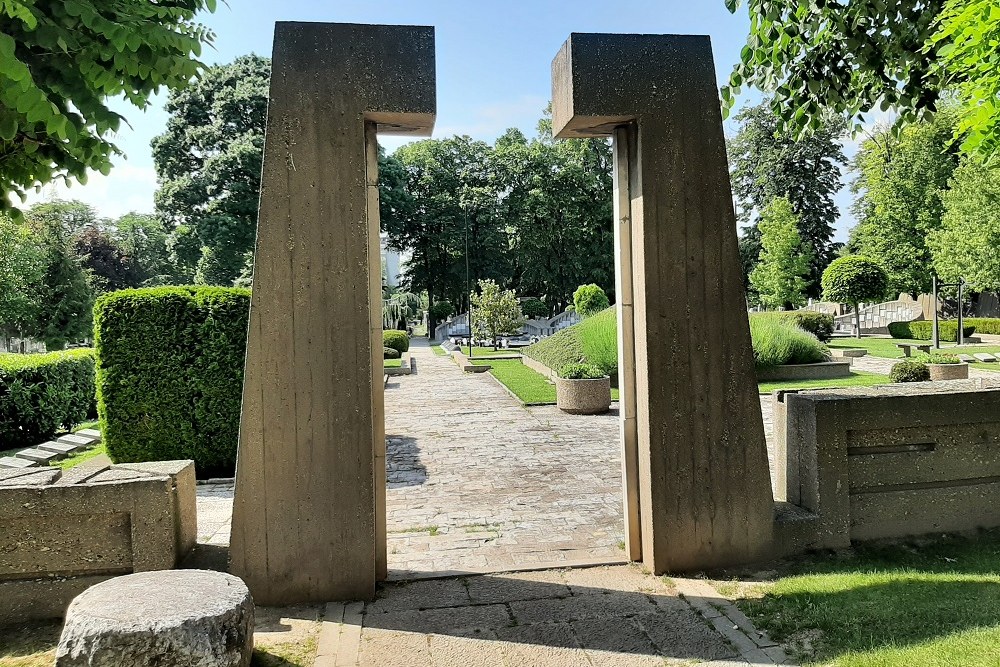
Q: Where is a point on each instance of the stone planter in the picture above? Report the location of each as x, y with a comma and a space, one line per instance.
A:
949, 371
583, 397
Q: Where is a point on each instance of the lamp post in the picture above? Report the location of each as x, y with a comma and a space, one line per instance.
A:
468, 289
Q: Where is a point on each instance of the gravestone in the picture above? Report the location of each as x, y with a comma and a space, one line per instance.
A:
308, 514
693, 437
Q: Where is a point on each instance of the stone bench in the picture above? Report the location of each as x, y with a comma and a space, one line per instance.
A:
63, 531
907, 348
181, 618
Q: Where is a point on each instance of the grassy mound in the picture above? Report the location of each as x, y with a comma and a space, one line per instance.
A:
777, 341
593, 341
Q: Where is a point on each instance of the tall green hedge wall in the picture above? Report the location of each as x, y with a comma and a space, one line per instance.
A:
924, 330
43, 393
170, 374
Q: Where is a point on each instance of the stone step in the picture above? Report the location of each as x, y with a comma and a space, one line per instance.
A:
14, 462
966, 358
984, 357
80, 441
91, 433
63, 448
38, 455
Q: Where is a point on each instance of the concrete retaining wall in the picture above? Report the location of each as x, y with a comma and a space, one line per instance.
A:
820, 371
891, 461
61, 533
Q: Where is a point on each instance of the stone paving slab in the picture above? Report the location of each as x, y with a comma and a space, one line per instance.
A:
59, 447
13, 462
644, 621
38, 455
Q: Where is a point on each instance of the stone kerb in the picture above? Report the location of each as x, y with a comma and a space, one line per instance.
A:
65, 532
888, 462
820, 371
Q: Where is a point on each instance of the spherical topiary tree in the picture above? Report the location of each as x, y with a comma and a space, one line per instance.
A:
534, 308
854, 279
590, 299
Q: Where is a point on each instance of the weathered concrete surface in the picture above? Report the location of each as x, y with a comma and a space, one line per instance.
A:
704, 494
891, 461
308, 508
181, 618
583, 397
820, 371
62, 534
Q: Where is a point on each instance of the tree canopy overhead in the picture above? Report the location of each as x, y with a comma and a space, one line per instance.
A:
853, 57
59, 64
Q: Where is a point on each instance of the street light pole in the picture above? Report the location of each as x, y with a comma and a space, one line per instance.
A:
468, 290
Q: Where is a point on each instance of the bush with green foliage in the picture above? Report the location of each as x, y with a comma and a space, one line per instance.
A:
910, 371
818, 324
398, 340
390, 353
938, 358
170, 374
581, 372
589, 300
43, 393
777, 341
924, 330
599, 338
441, 310
984, 325
534, 309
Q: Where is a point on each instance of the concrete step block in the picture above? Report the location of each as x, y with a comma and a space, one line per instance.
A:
63, 448
76, 439
38, 455
14, 462
91, 433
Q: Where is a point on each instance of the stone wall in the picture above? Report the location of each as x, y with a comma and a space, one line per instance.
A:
892, 461
876, 318
63, 532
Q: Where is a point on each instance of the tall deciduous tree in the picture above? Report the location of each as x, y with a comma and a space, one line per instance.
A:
966, 245
61, 61
780, 277
22, 266
768, 163
208, 163
143, 238
900, 178
850, 57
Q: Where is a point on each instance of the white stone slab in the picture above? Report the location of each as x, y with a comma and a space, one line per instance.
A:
39, 455
63, 448
14, 462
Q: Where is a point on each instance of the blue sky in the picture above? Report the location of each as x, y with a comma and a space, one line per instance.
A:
492, 65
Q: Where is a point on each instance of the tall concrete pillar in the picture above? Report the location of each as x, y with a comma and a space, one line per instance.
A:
693, 438
308, 506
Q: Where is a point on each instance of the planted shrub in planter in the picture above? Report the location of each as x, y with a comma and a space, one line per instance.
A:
398, 340
390, 353
943, 366
583, 389
910, 371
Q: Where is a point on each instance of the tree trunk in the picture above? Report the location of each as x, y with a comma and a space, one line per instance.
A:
857, 321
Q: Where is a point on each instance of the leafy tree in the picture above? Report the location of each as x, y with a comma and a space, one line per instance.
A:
850, 57
534, 308
898, 198
780, 277
768, 163
589, 300
208, 163
65, 294
441, 310
68, 217
142, 237
22, 266
854, 279
61, 61
556, 201
108, 265
967, 242
495, 312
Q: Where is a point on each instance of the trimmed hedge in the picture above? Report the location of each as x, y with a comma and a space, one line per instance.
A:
41, 394
390, 353
910, 371
924, 330
397, 340
984, 325
170, 374
818, 324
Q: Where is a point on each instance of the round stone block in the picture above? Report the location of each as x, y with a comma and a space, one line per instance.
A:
583, 397
181, 618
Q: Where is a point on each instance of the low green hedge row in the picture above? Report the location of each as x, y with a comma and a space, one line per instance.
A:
924, 330
170, 374
41, 394
984, 325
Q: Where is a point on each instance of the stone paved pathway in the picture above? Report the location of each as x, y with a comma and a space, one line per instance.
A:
615, 616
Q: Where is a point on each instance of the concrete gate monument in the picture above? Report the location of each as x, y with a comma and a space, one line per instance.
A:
309, 510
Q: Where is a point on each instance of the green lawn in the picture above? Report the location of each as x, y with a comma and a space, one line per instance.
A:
487, 351
857, 379
392, 363
80, 457
886, 347
918, 603
531, 387
439, 351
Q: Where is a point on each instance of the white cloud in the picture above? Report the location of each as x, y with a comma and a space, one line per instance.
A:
127, 188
